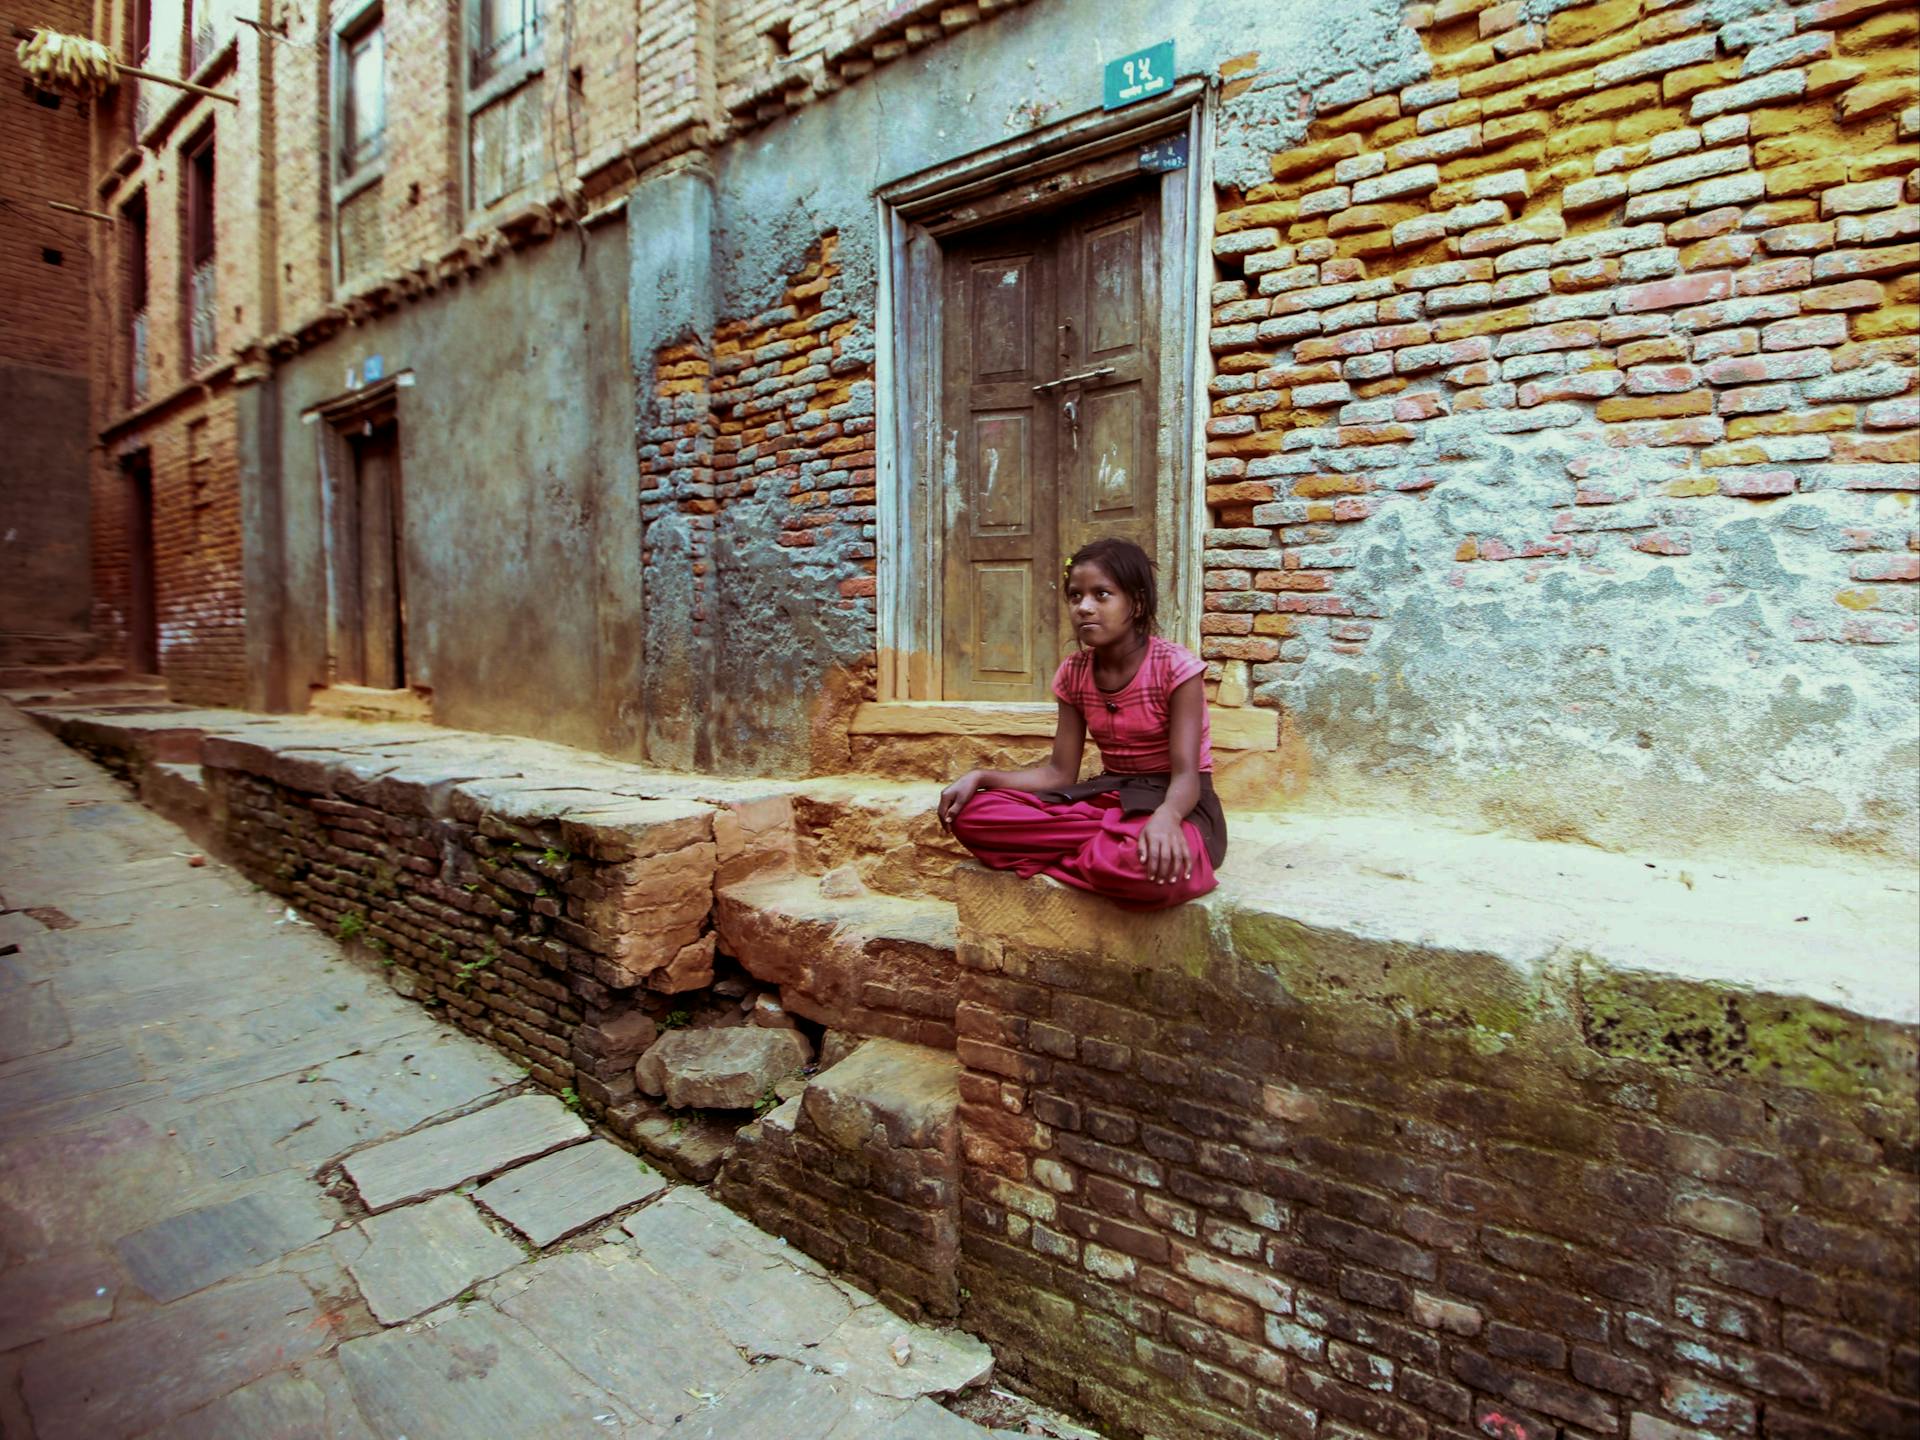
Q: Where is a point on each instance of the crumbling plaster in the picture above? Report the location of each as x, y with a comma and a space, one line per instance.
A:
755, 689
1642, 700
1610, 704
523, 587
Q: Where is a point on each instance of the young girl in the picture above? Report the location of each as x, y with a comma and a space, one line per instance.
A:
1148, 832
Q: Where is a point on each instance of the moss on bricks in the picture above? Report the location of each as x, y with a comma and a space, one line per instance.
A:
1727, 1031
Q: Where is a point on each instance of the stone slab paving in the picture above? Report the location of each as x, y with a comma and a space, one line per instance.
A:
443, 1156
192, 1250
181, 1067
470, 1371
60, 1293
629, 1333
121, 1378
409, 1260
310, 1402
552, 1197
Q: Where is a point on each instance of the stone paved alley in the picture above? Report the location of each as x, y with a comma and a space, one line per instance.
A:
183, 1067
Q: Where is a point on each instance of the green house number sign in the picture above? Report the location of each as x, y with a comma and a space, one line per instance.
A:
1139, 76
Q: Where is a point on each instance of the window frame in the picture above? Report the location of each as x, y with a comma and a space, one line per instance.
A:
500, 76
366, 21
199, 223
353, 22
478, 94
136, 298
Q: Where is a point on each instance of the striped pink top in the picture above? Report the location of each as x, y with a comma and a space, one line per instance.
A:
1131, 725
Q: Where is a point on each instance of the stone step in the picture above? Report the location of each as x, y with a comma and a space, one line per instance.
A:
861, 1171
888, 831
135, 690
179, 792
872, 964
62, 676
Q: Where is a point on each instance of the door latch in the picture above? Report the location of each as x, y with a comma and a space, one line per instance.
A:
1073, 379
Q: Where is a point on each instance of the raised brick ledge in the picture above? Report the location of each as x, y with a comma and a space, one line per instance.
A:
1530, 944
1403, 1129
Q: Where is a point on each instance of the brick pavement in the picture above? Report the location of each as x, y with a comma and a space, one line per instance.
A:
245, 1189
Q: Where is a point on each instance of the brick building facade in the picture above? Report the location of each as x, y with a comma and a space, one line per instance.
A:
1527, 351
1519, 399
44, 318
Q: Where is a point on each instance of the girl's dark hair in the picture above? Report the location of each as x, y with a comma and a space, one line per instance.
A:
1131, 570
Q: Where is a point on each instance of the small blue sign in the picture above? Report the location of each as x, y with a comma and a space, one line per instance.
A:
1139, 76
1164, 155
375, 367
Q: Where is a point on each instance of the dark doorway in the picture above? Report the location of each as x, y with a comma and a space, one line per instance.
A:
1049, 392
374, 600
143, 617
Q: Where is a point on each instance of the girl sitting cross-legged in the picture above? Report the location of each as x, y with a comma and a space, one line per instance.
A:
1149, 831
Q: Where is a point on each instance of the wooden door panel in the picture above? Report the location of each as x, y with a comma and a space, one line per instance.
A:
1032, 475
1110, 288
1002, 318
1113, 300
376, 463
1002, 475
379, 594
998, 306
1114, 464
1003, 622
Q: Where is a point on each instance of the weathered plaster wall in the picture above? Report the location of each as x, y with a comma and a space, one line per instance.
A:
521, 556
771, 641
1687, 671
1564, 438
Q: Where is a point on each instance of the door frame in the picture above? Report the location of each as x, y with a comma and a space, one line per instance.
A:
143, 576
338, 421
1065, 162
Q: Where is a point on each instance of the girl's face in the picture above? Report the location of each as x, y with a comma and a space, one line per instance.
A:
1103, 613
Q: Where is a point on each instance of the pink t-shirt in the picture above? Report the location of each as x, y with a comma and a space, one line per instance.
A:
1131, 725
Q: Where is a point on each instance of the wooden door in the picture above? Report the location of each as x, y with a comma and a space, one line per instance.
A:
1048, 404
374, 634
1000, 435
1109, 290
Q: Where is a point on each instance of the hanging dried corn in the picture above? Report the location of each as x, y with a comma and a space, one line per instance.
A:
74, 65
69, 64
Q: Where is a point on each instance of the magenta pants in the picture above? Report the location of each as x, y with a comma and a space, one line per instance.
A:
1089, 844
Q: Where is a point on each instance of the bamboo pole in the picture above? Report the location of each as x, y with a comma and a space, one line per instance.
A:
20, 32
186, 85
76, 210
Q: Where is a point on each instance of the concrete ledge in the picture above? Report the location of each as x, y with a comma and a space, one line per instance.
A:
359, 702
1800, 975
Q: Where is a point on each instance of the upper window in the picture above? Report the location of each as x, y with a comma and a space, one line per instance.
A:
362, 98
503, 32
134, 270
202, 316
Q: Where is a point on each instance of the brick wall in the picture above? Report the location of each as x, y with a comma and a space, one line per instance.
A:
1515, 359
45, 306
185, 421
1692, 248
776, 404
1197, 1203
861, 1172
44, 299
539, 935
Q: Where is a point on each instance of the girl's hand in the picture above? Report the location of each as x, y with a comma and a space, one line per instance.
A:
1163, 850
954, 798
